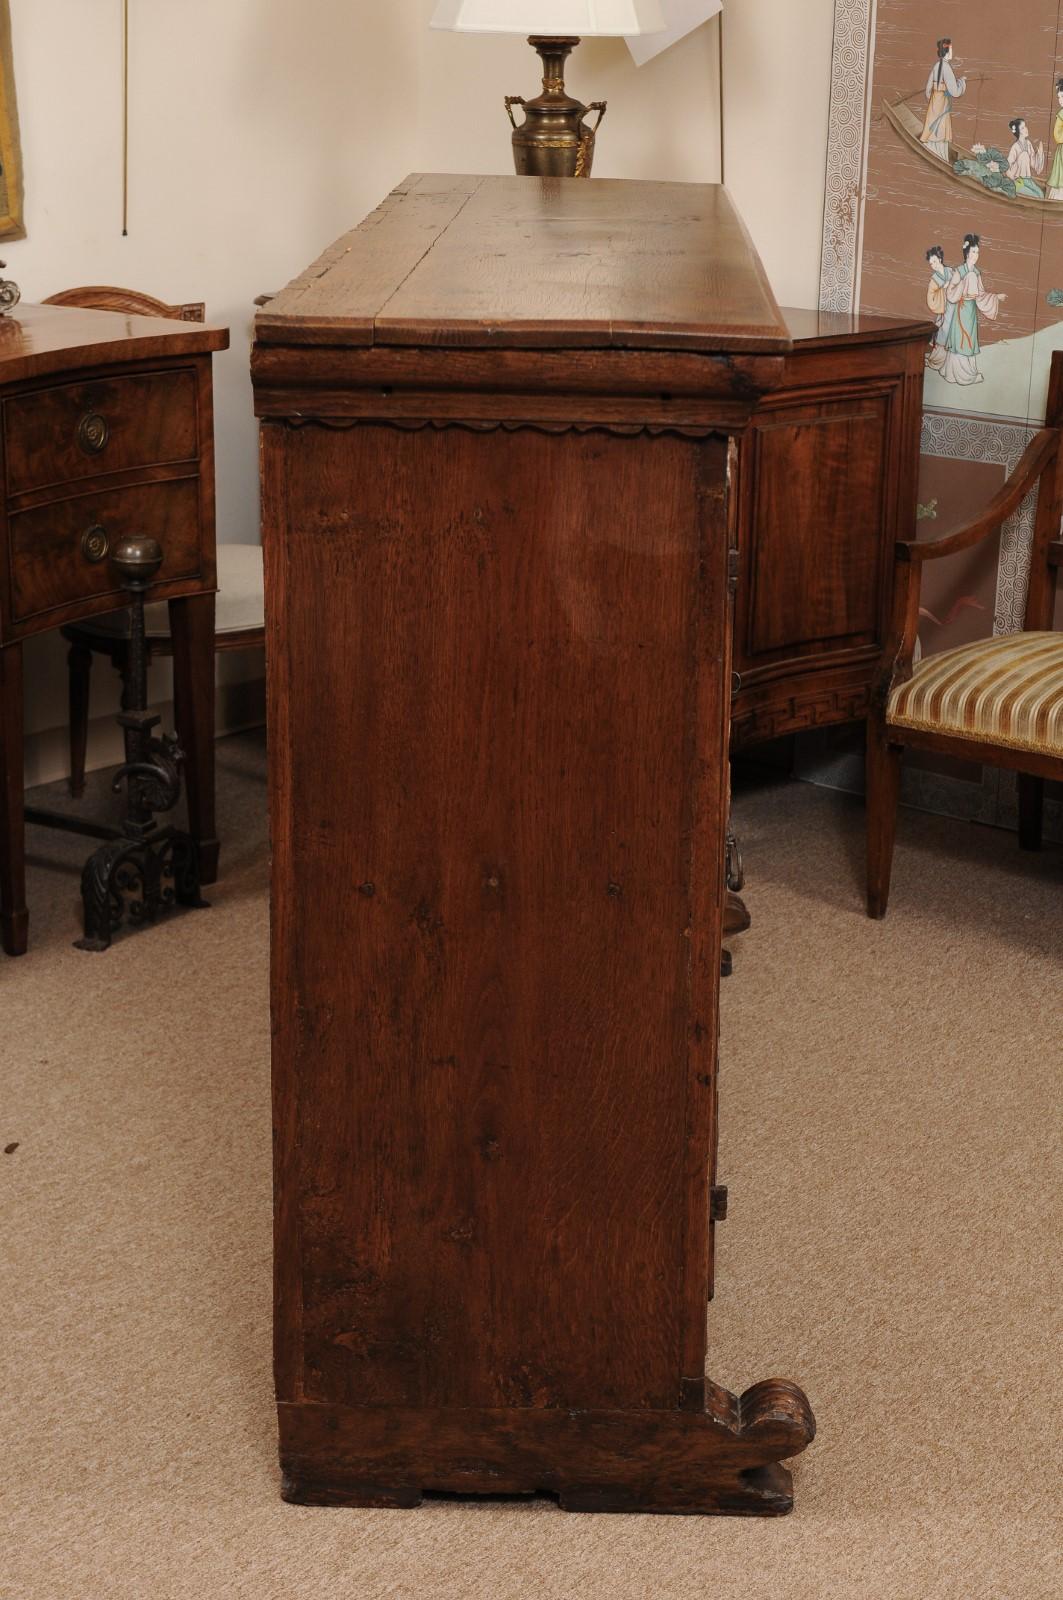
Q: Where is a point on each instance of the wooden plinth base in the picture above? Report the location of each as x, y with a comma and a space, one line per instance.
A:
721, 1461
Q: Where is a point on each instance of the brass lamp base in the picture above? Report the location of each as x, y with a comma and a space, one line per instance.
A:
553, 141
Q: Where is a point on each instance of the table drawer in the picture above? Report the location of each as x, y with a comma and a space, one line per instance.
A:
78, 430
59, 552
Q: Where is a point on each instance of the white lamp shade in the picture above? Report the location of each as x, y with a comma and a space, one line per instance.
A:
563, 18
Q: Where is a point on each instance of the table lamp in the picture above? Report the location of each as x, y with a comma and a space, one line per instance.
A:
553, 141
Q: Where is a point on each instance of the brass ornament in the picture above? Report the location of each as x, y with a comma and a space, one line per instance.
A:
95, 544
10, 293
93, 433
553, 141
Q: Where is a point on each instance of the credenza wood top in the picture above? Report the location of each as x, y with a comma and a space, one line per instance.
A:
38, 340
528, 263
813, 327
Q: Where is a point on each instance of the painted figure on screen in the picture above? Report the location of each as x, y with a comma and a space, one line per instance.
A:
967, 300
938, 303
942, 89
1025, 160
1055, 176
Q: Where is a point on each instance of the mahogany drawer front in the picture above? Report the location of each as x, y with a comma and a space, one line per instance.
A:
59, 552
79, 430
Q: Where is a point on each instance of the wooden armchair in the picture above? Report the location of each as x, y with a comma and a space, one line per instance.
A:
998, 701
104, 297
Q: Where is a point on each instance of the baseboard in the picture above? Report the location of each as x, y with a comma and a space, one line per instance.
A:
834, 762
834, 759
238, 706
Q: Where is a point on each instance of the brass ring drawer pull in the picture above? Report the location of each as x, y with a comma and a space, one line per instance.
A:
93, 433
95, 544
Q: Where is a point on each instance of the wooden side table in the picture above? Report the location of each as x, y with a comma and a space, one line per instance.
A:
107, 431
498, 425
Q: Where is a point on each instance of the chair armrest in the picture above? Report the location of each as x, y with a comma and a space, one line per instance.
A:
911, 553
896, 666
1038, 453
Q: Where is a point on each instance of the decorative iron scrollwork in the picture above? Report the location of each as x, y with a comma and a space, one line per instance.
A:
158, 777
138, 878
148, 870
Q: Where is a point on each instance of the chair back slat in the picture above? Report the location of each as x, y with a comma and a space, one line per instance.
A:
1044, 573
101, 297
1054, 407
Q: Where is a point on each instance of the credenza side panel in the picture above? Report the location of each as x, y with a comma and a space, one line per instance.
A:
498, 744
829, 470
820, 504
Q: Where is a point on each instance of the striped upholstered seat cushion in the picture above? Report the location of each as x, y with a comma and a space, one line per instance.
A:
1006, 691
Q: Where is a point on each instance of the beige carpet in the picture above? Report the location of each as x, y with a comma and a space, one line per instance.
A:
891, 1137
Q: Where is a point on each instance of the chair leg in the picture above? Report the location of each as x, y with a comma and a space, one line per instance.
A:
79, 668
192, 632
14, 917
883, 795
1031, 810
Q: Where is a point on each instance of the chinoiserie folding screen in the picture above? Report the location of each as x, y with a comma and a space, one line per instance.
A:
945, 198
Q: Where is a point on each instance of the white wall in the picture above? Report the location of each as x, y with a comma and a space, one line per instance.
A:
262, 129
664, 118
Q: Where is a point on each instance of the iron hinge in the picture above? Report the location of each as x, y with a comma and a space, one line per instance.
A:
718, 1204
732, 571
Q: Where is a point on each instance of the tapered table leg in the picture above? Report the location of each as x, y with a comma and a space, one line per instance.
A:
1031, 810
14, 917
192, 631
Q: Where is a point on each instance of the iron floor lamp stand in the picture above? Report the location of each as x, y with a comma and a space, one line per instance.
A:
142, 870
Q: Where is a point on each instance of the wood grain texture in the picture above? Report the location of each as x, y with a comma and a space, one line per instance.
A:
514, 875
527, 262
134, 421
816, 329
606, 388
124, 485
36, 341
498, 646
829, 472
49, 570
107, 297
722, 1459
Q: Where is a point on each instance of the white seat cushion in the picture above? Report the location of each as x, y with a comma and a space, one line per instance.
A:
240, 606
